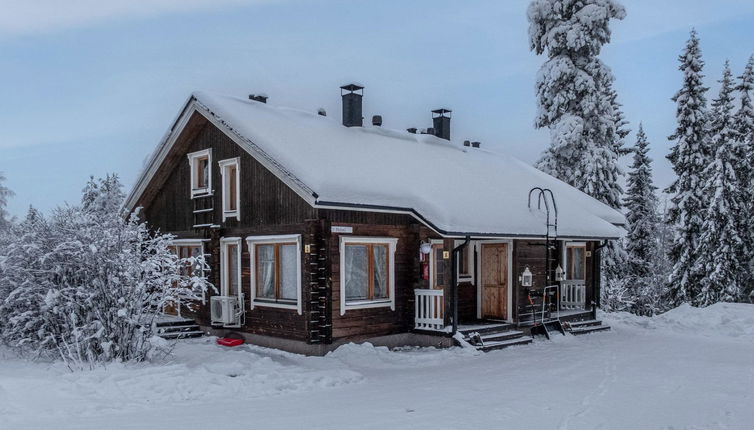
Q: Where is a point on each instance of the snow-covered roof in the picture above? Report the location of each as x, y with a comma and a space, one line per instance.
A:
454, 189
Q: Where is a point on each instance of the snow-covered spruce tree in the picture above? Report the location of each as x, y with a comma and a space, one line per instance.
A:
641, 211
5, 194
689, 156
85, 284
721, 259
744, 123
573, 88
578, 104
641, 239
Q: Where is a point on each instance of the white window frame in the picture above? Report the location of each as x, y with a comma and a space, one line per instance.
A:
195, 243
391, 242
566, 245
193, 157
224, 287
433, 262
251, 241
470, 248
224, 165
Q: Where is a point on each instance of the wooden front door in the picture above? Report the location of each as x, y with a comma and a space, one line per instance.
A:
495, 280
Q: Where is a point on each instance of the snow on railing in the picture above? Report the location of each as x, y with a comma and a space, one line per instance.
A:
429, 309
572, 295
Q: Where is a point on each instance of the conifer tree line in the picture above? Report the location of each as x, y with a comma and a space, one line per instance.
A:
697, 248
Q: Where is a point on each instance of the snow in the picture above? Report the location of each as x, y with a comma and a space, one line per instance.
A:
456, 188
686, 369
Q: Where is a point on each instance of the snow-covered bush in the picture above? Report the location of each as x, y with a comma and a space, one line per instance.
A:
85, 284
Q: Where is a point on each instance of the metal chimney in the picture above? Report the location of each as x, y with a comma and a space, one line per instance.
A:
441, 123
352, 95
261, 98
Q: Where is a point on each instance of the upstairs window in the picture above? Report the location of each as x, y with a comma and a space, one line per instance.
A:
201, 172
367, 273
575, 259
229, 170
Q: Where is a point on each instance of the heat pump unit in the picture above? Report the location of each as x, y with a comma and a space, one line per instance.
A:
227, 311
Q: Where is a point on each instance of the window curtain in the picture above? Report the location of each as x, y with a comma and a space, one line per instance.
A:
288, 270
380, 272
232, 270
266, 271
356, 279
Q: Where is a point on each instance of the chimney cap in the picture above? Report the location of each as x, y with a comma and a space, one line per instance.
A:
352, 87
261, 97
466, 143
442, 111
475, 144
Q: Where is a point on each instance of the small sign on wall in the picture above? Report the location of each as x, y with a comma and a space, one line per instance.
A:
341, 229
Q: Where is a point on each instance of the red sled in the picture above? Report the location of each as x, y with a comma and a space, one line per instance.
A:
226, 341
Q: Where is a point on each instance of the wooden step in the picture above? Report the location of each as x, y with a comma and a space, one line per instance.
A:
174, 322
483, 329
588, 329
182, 335
500, 336
492, 346
178, 328
585, 323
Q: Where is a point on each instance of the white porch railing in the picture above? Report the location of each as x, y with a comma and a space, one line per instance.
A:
572, 295
429, 309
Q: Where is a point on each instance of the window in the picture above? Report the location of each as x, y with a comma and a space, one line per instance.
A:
276, 271
230, 266
229, 170
366, 272
439, 263
575, 260
465, 261
201, 173
185, 249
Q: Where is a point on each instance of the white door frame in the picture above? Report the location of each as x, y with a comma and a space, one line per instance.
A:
480, 277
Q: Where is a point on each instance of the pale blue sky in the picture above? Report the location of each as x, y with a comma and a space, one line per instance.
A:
91, 88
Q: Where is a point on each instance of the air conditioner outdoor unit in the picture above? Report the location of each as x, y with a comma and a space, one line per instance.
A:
227, 311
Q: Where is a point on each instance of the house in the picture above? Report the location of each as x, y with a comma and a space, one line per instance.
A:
320, 232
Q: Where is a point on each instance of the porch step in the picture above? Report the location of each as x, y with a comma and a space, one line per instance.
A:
585, 323
182, 335
588, 329
173, 321
500, 336
485, 328
178, 328
491, 335
491, 346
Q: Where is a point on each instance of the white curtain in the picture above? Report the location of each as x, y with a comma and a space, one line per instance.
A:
356, 272
288, 271
266, 273
380, 272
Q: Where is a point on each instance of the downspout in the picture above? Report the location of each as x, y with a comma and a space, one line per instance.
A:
597, 275
454, 280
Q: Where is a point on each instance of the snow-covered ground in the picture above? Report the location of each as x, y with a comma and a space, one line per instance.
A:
687, 369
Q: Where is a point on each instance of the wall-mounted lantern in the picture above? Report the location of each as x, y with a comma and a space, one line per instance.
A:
559, 274
527, 278
425, 248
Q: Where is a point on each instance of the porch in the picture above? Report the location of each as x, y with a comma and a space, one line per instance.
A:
570, 304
